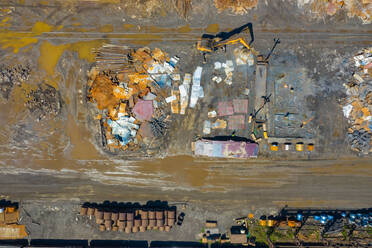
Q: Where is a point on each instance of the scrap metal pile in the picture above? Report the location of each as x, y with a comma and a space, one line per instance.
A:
236, 6
10, 76
358, 106
129, 86
354, 8
44, 102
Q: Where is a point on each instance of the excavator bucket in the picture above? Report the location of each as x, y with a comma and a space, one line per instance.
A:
205, 44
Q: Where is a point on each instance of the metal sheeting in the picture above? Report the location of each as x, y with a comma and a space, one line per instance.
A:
225, 108
236, 122
143, 110
240, 106
226, 149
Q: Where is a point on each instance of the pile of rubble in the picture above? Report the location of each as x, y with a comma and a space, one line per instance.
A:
44, 102
236, 6
359, 8
10, 76
130, 88
358, 106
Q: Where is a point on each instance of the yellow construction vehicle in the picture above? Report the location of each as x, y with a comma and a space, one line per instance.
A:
210, 43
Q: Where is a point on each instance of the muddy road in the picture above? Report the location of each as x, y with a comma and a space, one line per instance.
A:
60, 157
257, 184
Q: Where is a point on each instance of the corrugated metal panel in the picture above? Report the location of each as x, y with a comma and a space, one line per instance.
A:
228, 149
240, 106
225, 108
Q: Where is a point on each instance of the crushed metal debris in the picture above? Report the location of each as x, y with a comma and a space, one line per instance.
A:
12, 75
236, 6
358, 106
129, 87
45, 102
354, 8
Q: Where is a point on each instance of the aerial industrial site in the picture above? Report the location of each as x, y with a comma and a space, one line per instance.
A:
186, 123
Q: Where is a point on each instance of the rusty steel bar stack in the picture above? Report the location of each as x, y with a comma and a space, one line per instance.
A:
130, 218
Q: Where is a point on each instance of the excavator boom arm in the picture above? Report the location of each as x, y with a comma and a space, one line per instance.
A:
228, 42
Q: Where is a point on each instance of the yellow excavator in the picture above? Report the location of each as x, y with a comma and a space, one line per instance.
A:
210, 43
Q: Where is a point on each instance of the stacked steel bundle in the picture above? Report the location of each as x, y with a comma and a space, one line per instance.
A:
130, 218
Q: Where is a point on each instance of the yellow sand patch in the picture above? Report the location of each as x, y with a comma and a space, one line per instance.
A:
109, 28
6, 19
41, 27
184, 29
49, 56
212, 28
10, 39
84, 49
155, 29
128, 26
18, 40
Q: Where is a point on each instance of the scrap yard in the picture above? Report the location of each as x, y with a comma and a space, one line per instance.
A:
203, 123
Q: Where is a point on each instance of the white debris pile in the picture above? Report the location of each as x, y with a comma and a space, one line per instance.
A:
124, 129
184, 92
358, 104
227, 67
196, 90
186, 95
243, 56
162, 72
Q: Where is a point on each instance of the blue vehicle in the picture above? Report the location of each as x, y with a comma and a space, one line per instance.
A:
317, 218
299, 217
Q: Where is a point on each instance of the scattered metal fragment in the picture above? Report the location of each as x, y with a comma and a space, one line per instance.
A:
12, 75
44, 102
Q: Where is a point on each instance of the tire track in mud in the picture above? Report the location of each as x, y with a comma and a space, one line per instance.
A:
194, 36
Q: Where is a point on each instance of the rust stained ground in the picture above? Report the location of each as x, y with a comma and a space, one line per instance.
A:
65, 150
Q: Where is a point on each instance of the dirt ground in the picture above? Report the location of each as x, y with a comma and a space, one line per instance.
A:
60, 157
